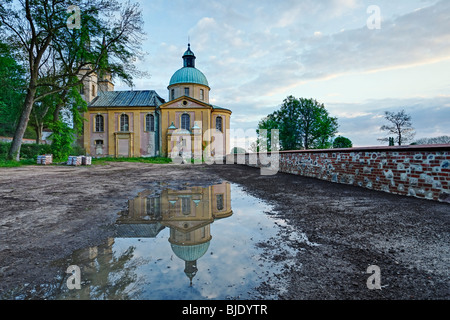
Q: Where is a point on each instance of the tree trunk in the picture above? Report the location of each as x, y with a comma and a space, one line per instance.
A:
14, 151
38, 129
58, 108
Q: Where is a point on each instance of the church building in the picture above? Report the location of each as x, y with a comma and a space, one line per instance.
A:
142, 124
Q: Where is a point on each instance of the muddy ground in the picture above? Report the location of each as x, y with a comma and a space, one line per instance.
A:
48, 212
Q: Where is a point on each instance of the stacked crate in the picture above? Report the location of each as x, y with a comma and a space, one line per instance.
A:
45, 159
74, 161
86, 161
79, 161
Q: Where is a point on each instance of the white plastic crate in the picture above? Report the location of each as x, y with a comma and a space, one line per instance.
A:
86, 161
45, 159
74, 161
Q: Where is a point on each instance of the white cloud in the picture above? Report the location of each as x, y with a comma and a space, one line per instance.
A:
255, 53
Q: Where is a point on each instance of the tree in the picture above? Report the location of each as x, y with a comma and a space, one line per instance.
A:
436, 140
264, 143
342, 142
400, 126
238, 150
59, 57
302, 123
12, 90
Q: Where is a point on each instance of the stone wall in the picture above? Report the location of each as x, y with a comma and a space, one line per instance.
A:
418, 171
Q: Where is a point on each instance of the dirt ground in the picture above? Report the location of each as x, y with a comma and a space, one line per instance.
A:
48, 212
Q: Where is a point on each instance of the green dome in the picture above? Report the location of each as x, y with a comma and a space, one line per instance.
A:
190, 253
189, 75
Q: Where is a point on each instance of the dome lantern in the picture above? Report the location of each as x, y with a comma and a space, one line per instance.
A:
189, 58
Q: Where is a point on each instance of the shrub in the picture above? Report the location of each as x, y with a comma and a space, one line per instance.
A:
27, 151
342, 142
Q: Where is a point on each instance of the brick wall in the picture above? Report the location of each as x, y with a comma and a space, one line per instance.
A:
418, 171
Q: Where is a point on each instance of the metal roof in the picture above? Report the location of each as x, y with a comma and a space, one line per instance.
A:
220, 108
138, 230
189, 75
190, 252
145, 98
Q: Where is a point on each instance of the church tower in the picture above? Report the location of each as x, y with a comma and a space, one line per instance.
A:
189, 81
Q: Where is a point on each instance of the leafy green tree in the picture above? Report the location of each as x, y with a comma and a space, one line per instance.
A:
12, 90
302, 123
269, 123
391, 142
237, 150
59, 57
62, 138
342, 142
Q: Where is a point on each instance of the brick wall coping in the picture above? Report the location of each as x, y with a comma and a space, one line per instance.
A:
427, 147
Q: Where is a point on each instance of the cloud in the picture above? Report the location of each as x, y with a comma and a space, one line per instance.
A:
416, 38
430, 118
255, 53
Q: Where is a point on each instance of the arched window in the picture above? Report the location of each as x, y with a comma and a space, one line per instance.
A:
186, 206
219, 125
150, 122
124, 123
99, 123
153, 207
185, 122
219, 199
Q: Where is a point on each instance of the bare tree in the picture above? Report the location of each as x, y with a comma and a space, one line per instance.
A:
435, 140
400, 127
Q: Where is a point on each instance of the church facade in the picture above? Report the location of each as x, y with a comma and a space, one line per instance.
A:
142, 124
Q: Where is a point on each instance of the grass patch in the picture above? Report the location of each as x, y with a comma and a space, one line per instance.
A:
100, 161
154, 160
14, 164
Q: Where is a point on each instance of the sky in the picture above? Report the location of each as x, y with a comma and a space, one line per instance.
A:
255, 53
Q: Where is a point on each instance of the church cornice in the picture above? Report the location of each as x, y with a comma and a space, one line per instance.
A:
179, 103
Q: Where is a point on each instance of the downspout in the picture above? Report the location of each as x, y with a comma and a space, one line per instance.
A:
158, 133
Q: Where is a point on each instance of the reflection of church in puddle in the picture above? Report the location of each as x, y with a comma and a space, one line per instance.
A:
187, 213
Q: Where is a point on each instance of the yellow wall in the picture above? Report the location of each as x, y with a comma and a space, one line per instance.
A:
172, 115
113, 128
194, 91
169, 113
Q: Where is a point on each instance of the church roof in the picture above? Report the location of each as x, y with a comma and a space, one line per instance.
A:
190, 252
144, 98
189, 52
138, 230
189, 75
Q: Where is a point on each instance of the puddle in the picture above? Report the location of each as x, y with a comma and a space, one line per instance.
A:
215, 242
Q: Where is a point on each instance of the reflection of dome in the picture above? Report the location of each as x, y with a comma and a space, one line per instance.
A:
189, 75
190, 253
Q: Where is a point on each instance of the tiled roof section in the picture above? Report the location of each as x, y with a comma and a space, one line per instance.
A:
138, 230
220, 108
146, 98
